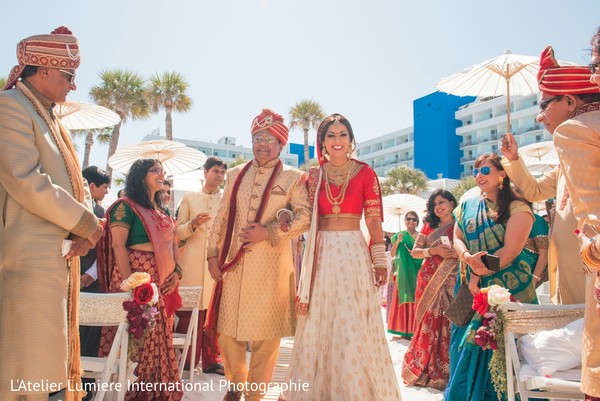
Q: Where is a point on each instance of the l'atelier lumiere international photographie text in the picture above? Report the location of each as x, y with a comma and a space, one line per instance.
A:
50, 387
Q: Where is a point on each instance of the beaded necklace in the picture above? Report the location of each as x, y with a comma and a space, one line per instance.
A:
337, 200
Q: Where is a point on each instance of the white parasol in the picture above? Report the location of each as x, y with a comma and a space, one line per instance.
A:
85, 116
539, 153
396, 206
508, 74
175, 157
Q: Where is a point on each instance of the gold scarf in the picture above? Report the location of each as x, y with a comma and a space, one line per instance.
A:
67, 151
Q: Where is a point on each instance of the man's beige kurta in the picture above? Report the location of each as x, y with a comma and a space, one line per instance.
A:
577, 142
258, 295
193, 257
566, 271
37, 212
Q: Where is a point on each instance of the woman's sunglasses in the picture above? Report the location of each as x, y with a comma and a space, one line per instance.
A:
411, 219
485, 170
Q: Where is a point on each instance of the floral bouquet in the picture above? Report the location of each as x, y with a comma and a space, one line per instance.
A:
141, 308
486, 303
490, 333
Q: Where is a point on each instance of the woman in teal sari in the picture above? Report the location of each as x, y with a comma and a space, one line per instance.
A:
405, 269
498, 223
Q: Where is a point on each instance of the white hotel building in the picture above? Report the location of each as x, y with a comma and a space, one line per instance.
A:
482, 124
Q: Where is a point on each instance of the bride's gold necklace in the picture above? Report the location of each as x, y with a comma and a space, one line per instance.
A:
336, 174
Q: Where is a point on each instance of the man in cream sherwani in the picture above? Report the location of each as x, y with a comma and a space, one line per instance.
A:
194, 218
246, 241
43, 202
570, 110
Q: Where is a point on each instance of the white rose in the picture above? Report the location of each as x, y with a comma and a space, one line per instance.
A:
154, 299
498, 295
135, 280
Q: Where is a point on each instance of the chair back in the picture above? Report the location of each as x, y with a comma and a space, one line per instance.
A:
531, 319
102, 309
190, 297
520, 319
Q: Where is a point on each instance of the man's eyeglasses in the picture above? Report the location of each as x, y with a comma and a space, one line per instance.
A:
71, 74
485, 170
168, 192
156, 170
594, 67
265, 139
411, 219
544, 105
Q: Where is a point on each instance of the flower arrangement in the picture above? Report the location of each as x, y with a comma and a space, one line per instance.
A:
140, 308
490, 334
486, 303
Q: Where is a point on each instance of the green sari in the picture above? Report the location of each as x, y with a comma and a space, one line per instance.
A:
470, 378
402, 307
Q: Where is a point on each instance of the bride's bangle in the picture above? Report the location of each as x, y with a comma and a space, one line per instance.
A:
426, 252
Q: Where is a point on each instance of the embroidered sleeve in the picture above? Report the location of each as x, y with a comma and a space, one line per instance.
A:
541, 242
121, 215
372, 203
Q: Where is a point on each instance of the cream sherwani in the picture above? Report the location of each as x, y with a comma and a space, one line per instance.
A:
577, 142
258, 295
38, 211
193, 258
566, 271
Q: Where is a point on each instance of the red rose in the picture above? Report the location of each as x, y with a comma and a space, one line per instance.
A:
480, 303
143, 294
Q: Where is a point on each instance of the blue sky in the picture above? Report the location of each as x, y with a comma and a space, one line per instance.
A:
365, 59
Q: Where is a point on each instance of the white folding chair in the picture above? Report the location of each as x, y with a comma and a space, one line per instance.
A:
521, 378
191, 297
106, 310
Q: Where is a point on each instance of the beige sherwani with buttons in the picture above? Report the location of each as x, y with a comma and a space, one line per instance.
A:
193, 258
577, 142
258, 294
38, 211
565, 269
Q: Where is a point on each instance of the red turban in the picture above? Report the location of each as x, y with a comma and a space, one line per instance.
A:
568, 80
59, 49
273, 122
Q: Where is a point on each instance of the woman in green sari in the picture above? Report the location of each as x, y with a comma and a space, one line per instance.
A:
405, 269
499, 223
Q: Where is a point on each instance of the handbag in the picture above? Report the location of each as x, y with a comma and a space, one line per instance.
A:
460, 311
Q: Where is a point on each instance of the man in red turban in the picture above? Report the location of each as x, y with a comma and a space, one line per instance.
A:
44, 202
571, 110
250, 257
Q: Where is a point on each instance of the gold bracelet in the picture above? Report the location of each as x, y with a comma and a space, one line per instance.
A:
426, 252
535, 277
179, 271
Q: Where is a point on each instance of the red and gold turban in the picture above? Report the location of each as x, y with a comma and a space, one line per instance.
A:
59, 49
567, 80
273, 122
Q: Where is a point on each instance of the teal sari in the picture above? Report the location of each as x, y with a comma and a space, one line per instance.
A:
469, 374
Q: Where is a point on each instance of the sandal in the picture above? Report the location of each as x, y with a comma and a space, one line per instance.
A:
215, 368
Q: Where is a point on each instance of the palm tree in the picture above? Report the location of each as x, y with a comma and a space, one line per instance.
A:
237, 161
168, 91
404, 180
102, 136
463, 186
306, 114
2, 82
123, 92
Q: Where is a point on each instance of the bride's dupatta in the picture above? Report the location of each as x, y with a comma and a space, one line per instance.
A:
315, 175
445, 268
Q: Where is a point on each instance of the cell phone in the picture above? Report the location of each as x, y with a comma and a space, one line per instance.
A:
492, 262
588, 230
445, 240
